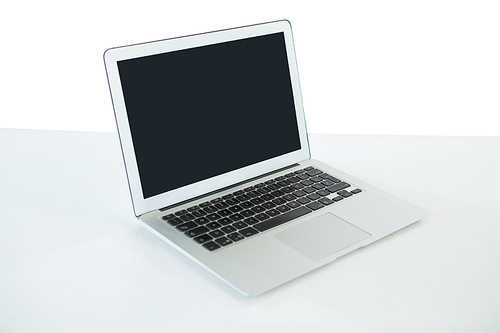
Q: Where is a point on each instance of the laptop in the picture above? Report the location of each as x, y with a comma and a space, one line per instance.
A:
215, 146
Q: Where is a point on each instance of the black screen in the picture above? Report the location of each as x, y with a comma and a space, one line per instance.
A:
200, 112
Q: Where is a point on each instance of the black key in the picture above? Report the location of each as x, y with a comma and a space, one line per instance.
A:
240, 225
278, 193
327, 183
299, 193
175, 221
243, 197
202, 220
187, 226
247, 213
246, 204
227, 229
213, 217
216, 233
272, 212
337, 198
257, 201
197, 231
302, 177
199, 213
232, 201
216, 200
319, 186
313, 172
344, 193
356, 191
308, 168
223, 241
288, 189
225, 221
258, 209
240, 192
325, 201
253, 194
203, 238
268, 205
267, 197
307, 182
293, 204
236, 208
227, 196
248, 189
308, 190
261, 216
289, 197
279, 201
273, 187
313, 196
187, 217
205, 204
263, 190
283, 218
210, 209
283, 183
303, 201
283, 209
221, 205
333, 179
235, 237
338, 187
224, 212
248, 232
297, 186
236, 217
293, 180
323, 193
315, 205
211, 246
181, 212
316, 179
213, 225
251, 220
168, 217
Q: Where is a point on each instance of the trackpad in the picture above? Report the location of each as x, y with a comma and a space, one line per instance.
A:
322, 236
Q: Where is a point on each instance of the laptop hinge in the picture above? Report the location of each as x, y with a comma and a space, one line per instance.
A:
226, 188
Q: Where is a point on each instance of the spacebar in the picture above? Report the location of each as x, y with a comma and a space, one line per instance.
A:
280, 219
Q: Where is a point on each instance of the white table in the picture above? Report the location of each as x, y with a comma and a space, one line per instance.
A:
73, 258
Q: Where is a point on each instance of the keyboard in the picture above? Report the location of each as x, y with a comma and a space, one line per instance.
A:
245, 213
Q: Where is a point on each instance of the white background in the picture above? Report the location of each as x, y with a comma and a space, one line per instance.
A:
366, 67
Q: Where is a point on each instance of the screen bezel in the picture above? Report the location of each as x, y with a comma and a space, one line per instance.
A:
114, 55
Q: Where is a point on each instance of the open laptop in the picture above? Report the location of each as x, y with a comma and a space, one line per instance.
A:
214, 140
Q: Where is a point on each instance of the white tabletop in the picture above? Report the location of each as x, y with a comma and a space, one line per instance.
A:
73, 258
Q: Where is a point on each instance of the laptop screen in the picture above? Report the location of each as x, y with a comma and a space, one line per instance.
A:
200, 112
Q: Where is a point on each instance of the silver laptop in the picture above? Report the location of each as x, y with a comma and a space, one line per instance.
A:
215, 146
